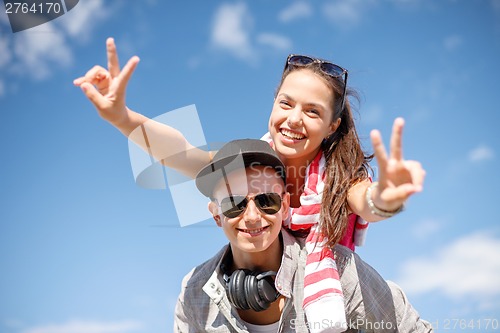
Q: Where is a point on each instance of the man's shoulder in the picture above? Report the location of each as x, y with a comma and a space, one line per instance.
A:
343, 251
344, 257
350, 264
200, 274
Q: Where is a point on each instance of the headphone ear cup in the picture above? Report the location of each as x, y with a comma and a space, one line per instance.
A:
267, 291
252, 293
251, 290
237, 289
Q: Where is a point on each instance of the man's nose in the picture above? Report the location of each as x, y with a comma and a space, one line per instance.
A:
252, 213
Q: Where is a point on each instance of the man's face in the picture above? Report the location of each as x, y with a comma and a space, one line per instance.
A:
253, 230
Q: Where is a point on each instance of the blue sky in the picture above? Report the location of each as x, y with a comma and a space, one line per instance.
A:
83, 248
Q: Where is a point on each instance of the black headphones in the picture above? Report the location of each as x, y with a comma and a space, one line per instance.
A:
248, 289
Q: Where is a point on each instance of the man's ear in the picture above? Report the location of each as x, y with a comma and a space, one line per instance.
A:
214, 210
285, 205
334, 125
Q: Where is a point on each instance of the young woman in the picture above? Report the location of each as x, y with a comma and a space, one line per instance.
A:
312, 130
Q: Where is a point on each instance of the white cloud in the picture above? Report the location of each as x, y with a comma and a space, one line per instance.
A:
41, 50
467, 268
276, 41
481, 153
38, 48
426, 228
451, 43
77, 326
79, 21
231, 29
295, 11
346, 13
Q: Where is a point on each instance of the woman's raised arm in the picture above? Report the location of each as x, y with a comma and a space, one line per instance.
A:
106, 89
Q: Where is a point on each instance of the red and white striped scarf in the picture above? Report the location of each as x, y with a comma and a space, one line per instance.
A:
323, 297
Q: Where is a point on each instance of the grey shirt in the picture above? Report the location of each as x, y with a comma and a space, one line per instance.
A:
371, 303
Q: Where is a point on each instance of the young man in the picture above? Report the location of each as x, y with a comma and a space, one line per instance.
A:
255, 283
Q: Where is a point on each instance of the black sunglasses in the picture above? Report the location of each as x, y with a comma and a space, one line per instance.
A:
267, 203
326, 67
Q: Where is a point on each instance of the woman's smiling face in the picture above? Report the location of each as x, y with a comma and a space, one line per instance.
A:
302, 116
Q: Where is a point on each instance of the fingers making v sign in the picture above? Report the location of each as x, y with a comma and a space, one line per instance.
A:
106, 88
398, 178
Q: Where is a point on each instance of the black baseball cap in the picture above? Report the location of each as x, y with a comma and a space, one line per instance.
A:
234, 155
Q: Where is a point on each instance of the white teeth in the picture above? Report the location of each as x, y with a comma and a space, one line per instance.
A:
253, 231
292, 135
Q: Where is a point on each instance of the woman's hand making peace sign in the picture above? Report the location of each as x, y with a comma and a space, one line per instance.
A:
106, 90
398, 178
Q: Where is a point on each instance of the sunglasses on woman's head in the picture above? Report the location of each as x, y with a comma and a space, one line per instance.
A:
267, 203
326, 67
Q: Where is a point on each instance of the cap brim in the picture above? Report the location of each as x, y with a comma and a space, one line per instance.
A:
208, 177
